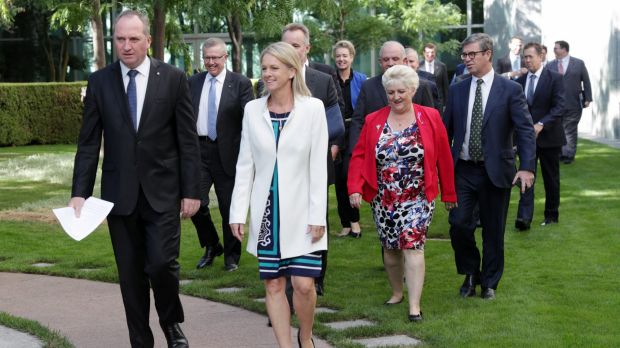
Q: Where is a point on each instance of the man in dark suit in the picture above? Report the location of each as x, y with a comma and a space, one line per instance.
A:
324, 86
577, 95
372, 96
151, 171
544, 91
219, 113
511, 65
481, 115
437, 68
412, 59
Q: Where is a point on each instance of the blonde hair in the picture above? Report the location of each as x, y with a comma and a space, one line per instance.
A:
287, 55
401, 74
344, 44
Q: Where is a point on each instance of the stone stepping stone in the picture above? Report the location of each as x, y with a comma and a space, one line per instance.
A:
42, 264
16, 339
341, 325
229, 290
325, 310
262, 299
88, 269
185, 281
388, 341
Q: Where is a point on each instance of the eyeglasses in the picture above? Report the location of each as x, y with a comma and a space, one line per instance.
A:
206, 59
471, 55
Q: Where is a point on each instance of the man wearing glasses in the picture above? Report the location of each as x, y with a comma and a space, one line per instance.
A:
218, 97
481, 115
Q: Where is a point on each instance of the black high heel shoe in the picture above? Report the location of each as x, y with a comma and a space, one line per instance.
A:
415, 318
299, 339
355, 235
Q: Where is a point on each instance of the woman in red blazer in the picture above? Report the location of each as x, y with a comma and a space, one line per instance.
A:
401, 154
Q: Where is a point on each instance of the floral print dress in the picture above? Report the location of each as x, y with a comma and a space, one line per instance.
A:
400, 209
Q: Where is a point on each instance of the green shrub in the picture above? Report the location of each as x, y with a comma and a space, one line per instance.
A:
40, 113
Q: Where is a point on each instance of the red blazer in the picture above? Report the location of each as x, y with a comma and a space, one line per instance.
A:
437, 158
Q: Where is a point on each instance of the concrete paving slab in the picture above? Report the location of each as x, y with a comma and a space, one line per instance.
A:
10, 338
341, 325
227, 290
90, 314
389, 341
325, 310
185, 281
42, 264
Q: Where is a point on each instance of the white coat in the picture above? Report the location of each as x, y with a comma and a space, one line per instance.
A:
302, 174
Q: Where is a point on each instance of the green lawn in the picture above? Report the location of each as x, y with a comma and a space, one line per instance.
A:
561, 285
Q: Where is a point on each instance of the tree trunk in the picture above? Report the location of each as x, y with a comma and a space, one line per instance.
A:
63, 60
49, 54
159, 28
96, 24
236, 37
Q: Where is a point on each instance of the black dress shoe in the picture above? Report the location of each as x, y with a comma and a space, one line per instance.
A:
488, 294
231, 267
522, 225
174, 336
468, 289
416, 318
210, 254
549, 221
355, 234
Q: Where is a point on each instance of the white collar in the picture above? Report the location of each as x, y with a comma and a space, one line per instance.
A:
143, 68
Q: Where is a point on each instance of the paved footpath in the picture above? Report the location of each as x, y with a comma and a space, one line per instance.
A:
90, 314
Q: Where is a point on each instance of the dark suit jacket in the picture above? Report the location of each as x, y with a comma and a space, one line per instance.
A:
432, 85
441, 78
506, 111
236, 92
372, 97
577, 88
548, 107
503, 65
331, 71
162, 158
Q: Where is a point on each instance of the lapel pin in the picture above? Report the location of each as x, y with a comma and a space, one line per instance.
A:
377, 126
158, 73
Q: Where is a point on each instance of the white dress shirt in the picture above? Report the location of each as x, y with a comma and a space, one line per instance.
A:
142, 79
430, 66
201, 123
485, 89
529, 79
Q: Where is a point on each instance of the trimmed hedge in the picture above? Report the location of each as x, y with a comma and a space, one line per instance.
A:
40, 113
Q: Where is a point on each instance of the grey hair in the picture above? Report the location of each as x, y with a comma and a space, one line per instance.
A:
388, 43
400, 74
483, 40
212, 42
298, 26
141, 16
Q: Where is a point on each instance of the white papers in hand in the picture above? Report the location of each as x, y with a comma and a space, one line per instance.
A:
93, 212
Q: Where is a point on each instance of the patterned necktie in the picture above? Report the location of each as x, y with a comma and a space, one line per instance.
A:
475, 128
560, 67
530, 89
131, 97
211, 111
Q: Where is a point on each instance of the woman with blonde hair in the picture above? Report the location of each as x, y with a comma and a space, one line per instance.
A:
281, 177
400, 158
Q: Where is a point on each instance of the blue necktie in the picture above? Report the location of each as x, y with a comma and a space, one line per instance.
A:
475, 128
131, 97
211, 111
530, 90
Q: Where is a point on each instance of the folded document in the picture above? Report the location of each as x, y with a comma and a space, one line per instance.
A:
92, 215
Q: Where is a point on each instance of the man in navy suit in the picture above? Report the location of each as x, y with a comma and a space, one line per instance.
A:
141, 109
511, 65
544, 91
219, 137
577, 92
481, 115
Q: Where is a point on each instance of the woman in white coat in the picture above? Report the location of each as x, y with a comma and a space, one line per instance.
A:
281, 176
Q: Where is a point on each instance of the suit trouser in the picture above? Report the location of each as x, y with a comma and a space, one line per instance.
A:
570, 122
346, 213
213, 174
146, 248
550, 169
473, 186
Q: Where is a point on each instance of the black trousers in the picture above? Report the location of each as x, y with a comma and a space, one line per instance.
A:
473, 187
346, 213
146, 248
550, 169
213, 174
570, 122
